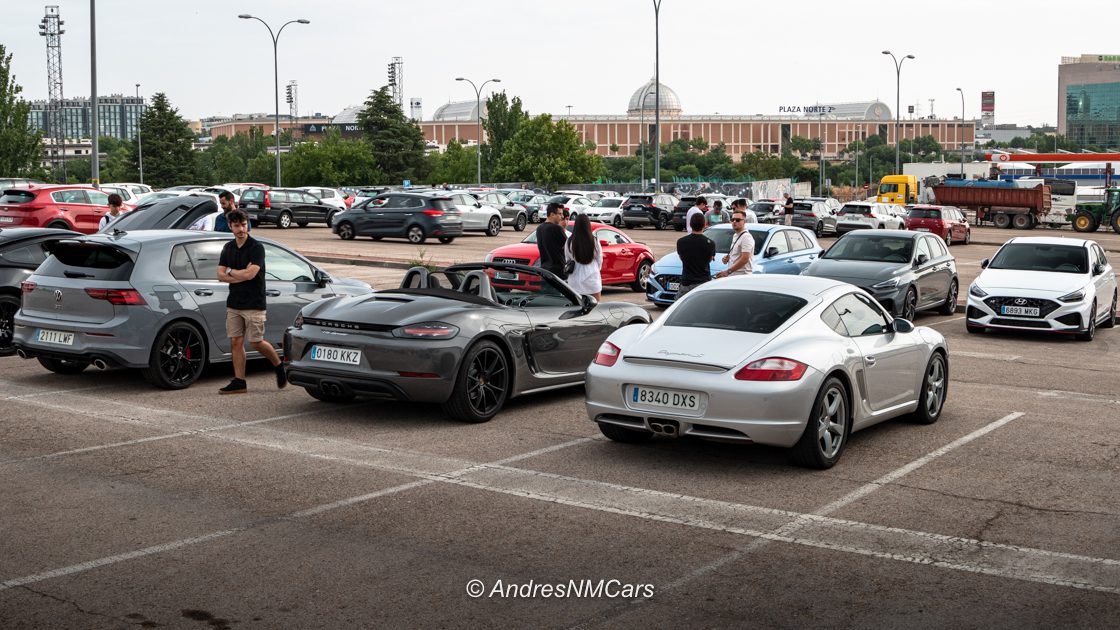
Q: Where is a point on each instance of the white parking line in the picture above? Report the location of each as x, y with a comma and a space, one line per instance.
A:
946, 321
986, 355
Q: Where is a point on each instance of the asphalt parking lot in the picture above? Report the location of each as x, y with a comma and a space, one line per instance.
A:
127, 506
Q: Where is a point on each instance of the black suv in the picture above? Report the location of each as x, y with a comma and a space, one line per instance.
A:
414, 216
285, 206
648, 209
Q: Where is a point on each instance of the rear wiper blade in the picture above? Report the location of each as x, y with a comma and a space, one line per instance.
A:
76, 274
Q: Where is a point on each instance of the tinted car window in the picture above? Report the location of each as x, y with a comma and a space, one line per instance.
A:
17, 196
204, 257
180, 266
642, 199
727, 309
255, 195
856, 209
859, 317
30, 254
442, 203
922, 213
79, 259
70, 196
1042, 257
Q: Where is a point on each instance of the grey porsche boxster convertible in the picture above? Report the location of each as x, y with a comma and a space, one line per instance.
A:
452, 338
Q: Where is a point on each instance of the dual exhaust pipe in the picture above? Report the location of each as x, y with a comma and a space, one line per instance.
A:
669, 429
97, 363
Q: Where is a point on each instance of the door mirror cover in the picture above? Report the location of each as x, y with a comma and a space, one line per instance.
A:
1098, 269
587, 304
322, 278
984, 263
902, 325
771, 252
922, 259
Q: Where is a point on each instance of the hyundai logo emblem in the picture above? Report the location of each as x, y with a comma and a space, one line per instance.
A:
1020, 301
57, 296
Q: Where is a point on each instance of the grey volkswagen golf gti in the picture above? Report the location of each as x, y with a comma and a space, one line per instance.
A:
151, 300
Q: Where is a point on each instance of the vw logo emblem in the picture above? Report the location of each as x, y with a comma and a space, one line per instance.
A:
1020, 301
57, 295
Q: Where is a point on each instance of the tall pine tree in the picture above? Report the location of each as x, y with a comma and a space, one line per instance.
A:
21, 147
397, 142
168, 145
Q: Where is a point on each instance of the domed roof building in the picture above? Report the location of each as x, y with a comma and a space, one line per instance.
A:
670, 102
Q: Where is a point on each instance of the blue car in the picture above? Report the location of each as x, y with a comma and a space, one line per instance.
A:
777, 249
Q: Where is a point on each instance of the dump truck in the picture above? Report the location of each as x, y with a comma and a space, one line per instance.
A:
1090, 216
1003, 203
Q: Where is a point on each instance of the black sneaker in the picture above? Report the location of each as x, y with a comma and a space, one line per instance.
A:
236, 386
281, 377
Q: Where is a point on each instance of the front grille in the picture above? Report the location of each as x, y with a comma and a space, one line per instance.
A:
330, 323
1045, 307
1021, 323
666, 278
511, 261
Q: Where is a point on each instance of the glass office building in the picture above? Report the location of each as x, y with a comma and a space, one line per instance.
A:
1093, 114
117, 116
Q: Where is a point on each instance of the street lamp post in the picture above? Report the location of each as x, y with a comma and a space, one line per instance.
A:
478, 117
644, 137
569, 110
95, 131
139, 139
820, 141
962, 132
275, 76
657, 94
897, 104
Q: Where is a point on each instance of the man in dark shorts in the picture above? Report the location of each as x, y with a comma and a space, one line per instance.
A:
242, 266
696, 252
551, 237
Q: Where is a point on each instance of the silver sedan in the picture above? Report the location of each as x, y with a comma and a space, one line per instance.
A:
795, 362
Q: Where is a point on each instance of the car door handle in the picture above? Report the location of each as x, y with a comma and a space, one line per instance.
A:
542, 327
869, 359
789, 260
272, 293
204, 292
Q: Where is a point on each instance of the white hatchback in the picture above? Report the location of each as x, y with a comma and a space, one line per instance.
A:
1050, 284
861, 215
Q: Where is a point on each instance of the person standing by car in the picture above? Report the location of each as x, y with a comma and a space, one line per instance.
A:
115, 203
717, 214
221, 222
740, 205
696, 252
587, 254
700, 207
787, 208
738, 260
551, 237
241, 264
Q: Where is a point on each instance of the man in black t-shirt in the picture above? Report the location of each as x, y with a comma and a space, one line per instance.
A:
242, 266
551, 237
696, 252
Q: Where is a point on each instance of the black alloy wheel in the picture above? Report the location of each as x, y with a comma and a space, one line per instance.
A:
483, 384
346, 231
660, 221
494, 226
950, 305
1110, 321
819, 229
1091, 328
909, 305
330, 218
178, 357
9, 304
519, 222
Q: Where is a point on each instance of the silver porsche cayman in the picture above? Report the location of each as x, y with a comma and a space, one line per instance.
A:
796, 362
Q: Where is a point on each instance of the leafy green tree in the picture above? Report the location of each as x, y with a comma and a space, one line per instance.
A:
21, 147
456, 165
804, 146
503, 117
168, 144
548, 154
332, 161
396, 141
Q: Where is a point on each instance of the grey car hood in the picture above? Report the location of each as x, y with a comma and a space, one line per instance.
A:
385, 309
855, 271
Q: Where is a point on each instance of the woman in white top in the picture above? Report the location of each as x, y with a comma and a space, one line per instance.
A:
587, 254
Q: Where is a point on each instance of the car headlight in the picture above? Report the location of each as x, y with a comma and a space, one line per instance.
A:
426, 330
975, 291
1076, 296
886, 284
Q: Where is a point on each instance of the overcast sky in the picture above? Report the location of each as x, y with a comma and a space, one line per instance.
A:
725, 56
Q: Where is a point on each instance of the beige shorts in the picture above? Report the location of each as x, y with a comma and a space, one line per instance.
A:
247, 324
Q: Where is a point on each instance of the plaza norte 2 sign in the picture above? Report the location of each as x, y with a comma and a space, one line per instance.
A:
346, 129
805, 109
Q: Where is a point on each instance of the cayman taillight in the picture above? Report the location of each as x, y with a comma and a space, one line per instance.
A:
772, 369
120, 297
607, 355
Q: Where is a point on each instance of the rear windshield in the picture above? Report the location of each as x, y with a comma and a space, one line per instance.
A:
559, 199
253, 195
166, 214
729, 309
1042, 257
854, 209
640, 199
765, 207
445, 204
608, 202
83, 259
17, 196
919, 213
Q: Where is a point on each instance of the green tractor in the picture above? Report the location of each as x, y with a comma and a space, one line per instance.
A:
1090, 216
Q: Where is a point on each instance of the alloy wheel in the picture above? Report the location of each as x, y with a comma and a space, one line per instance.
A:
910, 306
181, 356
832, 421
935, 388
416, 235
285, 220
8, 307
346, 231
487, 381
495, 226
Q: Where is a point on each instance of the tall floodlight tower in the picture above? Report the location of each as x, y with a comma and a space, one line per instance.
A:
50, 27
396, 80
292, 97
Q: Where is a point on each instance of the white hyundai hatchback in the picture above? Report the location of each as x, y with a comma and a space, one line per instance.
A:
1051, 284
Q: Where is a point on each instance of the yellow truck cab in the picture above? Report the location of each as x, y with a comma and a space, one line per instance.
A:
898, 189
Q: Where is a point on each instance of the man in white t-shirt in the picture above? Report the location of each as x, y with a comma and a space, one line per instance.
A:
738, 260
115, 203
700, 208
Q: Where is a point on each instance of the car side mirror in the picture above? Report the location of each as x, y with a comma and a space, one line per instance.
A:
1098, 269
922, 259
587, 304
984, 263
771, 252
322, 278
478, 204
902, 325
605, 243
